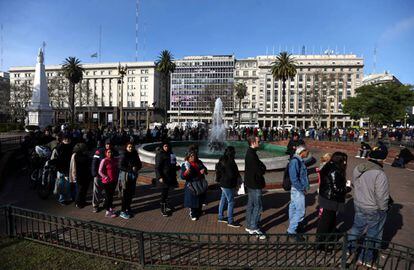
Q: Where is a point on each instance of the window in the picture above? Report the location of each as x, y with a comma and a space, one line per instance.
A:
144, 79
254, 72
246, 73
144, 71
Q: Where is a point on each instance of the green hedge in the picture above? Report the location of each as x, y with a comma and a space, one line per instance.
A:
5, 127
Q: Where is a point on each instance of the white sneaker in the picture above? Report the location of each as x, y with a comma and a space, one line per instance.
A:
248, 230
357, 156
259, 234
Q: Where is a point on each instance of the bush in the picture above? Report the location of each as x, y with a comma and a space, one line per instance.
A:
6, 127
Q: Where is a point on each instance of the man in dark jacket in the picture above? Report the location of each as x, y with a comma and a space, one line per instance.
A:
166, 168
62, 154
293, 144
254, 182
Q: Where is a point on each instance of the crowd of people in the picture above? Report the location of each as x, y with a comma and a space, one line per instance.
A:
78, 165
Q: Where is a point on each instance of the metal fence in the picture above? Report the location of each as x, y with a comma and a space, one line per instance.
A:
152, 249
10, 143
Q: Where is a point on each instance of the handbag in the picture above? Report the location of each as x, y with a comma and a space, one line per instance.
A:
198, 187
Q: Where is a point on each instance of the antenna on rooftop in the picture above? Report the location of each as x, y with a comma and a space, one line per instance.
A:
375, 58
136, 31
1, 47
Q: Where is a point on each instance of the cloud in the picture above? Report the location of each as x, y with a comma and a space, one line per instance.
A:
397, 30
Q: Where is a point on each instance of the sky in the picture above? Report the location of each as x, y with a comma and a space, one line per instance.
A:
245, 28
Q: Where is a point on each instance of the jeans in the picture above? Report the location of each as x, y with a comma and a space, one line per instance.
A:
227, 195
109, 195
373, 221
296, 209
254, 208
64, 188
98, 189
128, 192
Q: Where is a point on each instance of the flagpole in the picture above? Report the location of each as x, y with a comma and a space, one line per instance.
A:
100, 40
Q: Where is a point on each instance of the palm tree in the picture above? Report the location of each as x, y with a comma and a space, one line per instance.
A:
165, 66
73, 71
283, 68
241, 93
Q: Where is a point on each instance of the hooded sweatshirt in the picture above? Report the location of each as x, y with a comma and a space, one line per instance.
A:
372, 189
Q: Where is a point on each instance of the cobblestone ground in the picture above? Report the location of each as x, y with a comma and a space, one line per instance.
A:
398, 228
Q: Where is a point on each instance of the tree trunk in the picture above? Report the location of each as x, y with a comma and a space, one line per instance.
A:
72, 102
167, 92
283, 102
239, 111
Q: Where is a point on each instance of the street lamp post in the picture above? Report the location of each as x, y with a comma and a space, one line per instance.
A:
122, 72
329, 110
147, 109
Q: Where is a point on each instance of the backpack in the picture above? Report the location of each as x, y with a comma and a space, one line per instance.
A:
287, 184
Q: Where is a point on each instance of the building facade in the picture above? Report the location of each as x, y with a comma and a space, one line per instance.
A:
196, 83
100, 94
4, 95
313, 97
380, 78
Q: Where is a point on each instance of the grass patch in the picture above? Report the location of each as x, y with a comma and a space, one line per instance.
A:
19, 254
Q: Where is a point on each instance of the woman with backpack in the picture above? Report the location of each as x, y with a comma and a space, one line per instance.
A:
228, 177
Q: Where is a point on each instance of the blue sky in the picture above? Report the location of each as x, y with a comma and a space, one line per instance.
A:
201, 27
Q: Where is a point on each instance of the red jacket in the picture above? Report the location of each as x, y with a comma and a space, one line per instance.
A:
108, 170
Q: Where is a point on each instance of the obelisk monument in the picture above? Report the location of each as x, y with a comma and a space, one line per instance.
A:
39, 111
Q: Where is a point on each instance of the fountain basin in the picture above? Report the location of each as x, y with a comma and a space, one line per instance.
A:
273, 156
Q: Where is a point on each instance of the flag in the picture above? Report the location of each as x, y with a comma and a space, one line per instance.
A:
94, 55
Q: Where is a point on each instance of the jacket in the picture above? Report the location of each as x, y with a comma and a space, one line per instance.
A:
108, 170
333, 183
166, 167
129, 160
371, 186
298, 174
79, 168
254, 170
191, 200
63, 154
227, 174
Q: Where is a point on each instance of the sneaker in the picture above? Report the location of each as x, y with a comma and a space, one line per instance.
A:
357, 156
110, 214
234, 225
194, 218
248, 230
259, 234
293, 237
367, 264
222, 221
95, 209
362, 157
124, 215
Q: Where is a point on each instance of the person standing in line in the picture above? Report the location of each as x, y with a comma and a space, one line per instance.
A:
128, 173
166, 173
300, 185
108, 170
62, 154
293, 144
80, 172
228, 177
98, 187
192, 170
371, 203
254, 182
332, 191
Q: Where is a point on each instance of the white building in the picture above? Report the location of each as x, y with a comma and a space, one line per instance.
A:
380, 78
321, 80
99, 95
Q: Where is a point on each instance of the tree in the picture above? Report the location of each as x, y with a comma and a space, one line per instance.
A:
20, 96
283, 68
382, 104
73, 71
317, 103
241, 92
165, 66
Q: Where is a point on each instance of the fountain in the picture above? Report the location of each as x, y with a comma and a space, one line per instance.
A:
218, 130
273, 156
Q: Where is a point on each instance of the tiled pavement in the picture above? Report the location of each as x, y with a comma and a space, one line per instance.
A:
398, 228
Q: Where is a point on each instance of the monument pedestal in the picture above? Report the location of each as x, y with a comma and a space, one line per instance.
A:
41, 118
